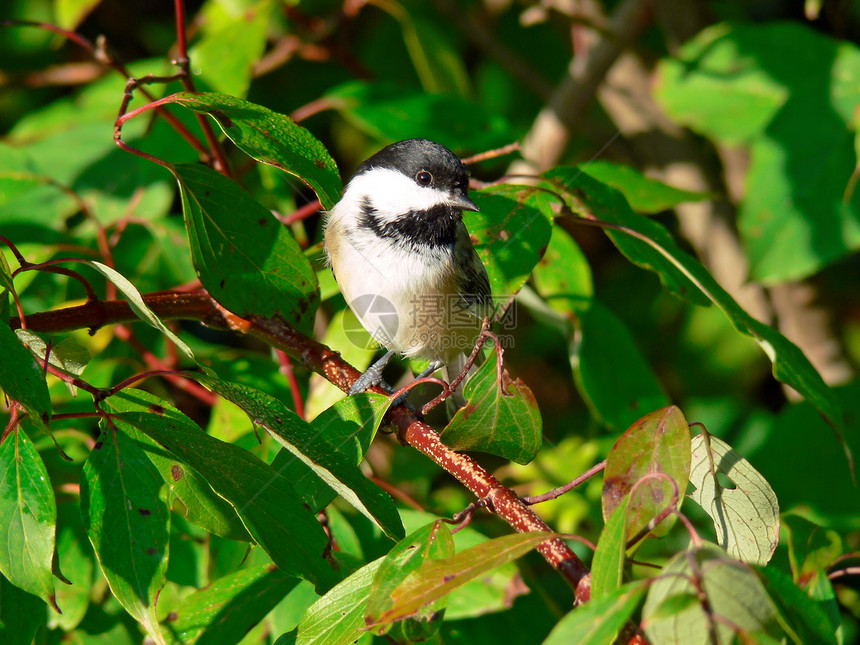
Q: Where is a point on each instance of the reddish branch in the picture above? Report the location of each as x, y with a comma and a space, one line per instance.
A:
319, 358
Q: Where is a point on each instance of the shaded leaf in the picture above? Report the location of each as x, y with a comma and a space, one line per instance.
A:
21, 614
614, 378
29, 514
21, 378
499, 418
227, 609
75, 556
734, 595
598, 621
262, 497
271, 138
563, 276
68, 356
800, 616
746, 516
128, 523
658, 443
685, 276
243, 255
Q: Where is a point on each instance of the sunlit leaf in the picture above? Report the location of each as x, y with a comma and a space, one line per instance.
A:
598, 621
30, 517
243, 255
128, 523
262, 497
68, 356
658, 443
746, 514
607, 565
499, 418
271, 138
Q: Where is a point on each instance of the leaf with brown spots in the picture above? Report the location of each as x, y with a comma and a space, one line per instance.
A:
271, 138
658, 443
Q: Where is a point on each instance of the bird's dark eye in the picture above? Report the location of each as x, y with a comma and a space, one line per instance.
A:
424, 178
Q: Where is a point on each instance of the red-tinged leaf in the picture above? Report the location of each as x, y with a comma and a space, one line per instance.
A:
123, 501
501, 418
271, 138
431, 542
244, 256
437, 578
658, 443
29, 513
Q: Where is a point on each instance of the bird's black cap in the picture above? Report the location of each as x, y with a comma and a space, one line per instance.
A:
411, 156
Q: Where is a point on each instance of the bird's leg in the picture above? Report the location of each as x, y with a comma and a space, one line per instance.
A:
373, 375
432, 367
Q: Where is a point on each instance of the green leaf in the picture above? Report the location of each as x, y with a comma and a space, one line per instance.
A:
226, 610
598, 621
389, 111
614, 378
746, 516
563, 276
685, 276
30, 518
510, 234
607, 565
239, 30
338, 617
128, 523
203, 507
262, 497
431, 542
436, 578
68, 356
21, 614
658, 443
75, 556
271, 138
21, 378
501, 418
244, 256
324, 448
645, 195
70, 13
138, 305
792, 93
733, 593
800, 615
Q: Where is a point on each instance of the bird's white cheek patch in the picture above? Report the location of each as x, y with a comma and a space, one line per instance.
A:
393, 193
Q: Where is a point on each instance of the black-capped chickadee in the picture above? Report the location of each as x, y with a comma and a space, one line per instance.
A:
403, 258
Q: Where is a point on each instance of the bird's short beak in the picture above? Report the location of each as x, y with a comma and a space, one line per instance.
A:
460, 200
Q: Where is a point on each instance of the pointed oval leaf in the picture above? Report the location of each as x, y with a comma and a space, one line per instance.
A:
29, 514
21, 378
801, 616
431, 542
657, 443
733, 594
262, 497
68, 356
499, 418
745, 517
437, 578
243, 255
686, 277
226, 610
607, 565
598, 621
123, 501
324, 447
271, 138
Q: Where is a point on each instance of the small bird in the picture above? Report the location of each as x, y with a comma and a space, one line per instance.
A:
403, 258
